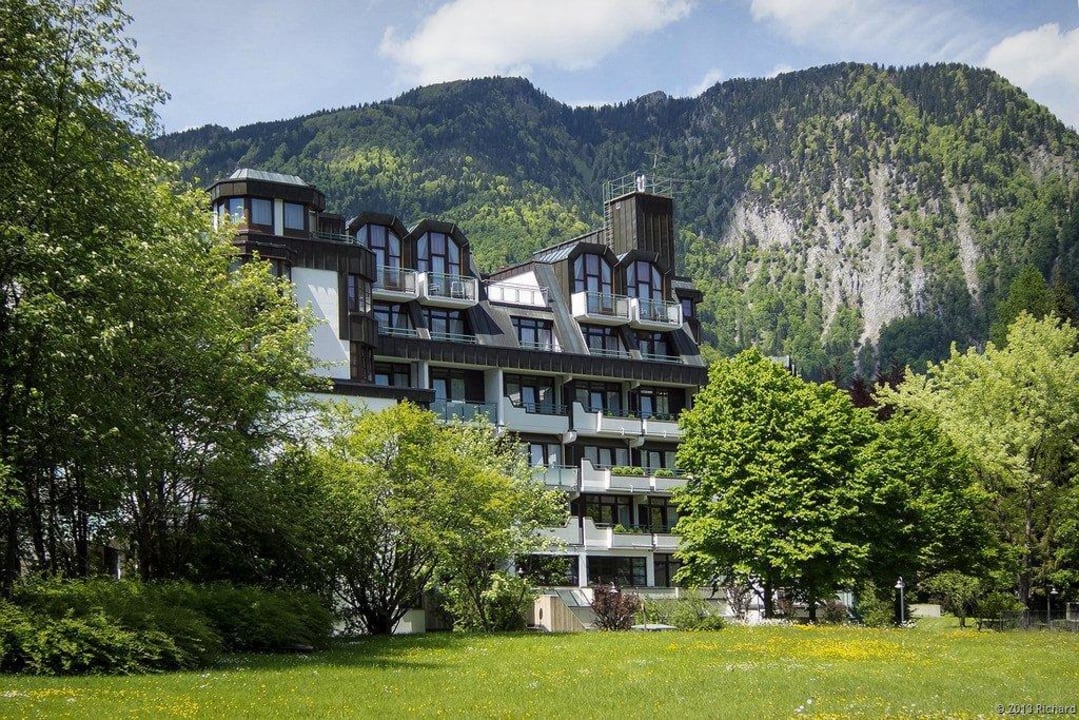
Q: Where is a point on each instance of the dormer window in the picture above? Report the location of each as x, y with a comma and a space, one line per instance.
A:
644, 281
437, 252
294, 216
591, 273
383, 242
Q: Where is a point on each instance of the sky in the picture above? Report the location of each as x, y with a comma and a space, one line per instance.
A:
237, 62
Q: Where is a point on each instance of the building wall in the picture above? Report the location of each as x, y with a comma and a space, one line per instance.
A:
318, 289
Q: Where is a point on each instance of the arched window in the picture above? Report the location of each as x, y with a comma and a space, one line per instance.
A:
591, 273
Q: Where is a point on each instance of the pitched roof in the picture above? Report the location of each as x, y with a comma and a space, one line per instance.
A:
252, 174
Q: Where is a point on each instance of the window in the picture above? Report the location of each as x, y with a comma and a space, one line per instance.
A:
687, 308
550, 570
445, 323
598, 396
543, 454
261, 211
534, 394
455, 384
361, 362
624, 571
658, 459
359, 294
392, 375
391, 316
438, 253
234, 207
591, 273
658, 514
606, 457
294, 216
658, 402
604, 509
603, 340
666, 567
654, 344
534, 333
383, 242
644, 281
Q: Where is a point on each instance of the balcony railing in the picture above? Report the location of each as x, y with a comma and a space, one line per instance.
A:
453, 337
540, 408
602, 308
447, 410
542, 346
448, 290
397, 331
335, 237
605, 352
659, 357
396, 280
517, 294
561, 476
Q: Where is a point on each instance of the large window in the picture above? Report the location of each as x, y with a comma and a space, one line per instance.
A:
550, 570
361, 362
445, 324
262, 211
392, 317
533, 393
655, 344
457, 385
234, 208
437, 252
666, 567
383, 242
294, 216
603, 340
658, 459
658, 514
623, 571
392, 375
687, 308
606, 457
591, 273
542, 454
658, 402
534, 333
359, 294
599, 396
605, 509
644, 281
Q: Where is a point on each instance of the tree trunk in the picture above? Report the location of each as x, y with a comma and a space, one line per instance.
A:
769, 600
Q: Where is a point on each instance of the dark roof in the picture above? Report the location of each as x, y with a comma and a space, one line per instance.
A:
555, 253
251, 174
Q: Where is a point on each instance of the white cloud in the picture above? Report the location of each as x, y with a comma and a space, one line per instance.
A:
710, 78
471, 38
779, 70
1045, 63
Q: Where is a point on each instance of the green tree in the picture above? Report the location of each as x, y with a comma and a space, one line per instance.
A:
413, 502
138, 376
957, 591
1028, 293
772, 491
1014, 414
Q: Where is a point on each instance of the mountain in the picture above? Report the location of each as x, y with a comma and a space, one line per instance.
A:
849, 215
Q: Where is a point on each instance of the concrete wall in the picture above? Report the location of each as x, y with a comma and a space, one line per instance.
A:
550, 613
319, 290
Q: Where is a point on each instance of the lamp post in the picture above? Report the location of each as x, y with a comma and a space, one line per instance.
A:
900, 585
1049, 607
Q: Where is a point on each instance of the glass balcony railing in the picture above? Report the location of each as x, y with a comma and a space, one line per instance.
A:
455, 287
662, 311
606, 304
447, 410
395, 279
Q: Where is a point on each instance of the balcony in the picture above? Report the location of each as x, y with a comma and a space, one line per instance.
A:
534, 417
395, 283
510, 294
449, 291
570, 534
601, 422
659, 357
665, 428
463, 338
600, 308
450, 410
557, 476
628, 479
405, 332
647, 314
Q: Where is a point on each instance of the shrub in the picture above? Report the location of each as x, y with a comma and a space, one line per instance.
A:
614, 609
1000, 607
663, 473
834, 612
505, 605
874, 610
683, 613
627, 471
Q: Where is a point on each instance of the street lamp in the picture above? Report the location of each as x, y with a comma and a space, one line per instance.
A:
900, 585
1049, 607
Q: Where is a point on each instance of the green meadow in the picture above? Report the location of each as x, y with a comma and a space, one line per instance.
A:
933, 671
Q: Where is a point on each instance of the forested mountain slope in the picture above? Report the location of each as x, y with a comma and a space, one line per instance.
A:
842, 214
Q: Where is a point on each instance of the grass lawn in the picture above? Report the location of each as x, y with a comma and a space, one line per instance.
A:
937, 671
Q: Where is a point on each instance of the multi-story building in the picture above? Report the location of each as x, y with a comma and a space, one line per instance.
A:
588, 351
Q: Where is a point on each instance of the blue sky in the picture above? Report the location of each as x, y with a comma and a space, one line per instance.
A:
235, 62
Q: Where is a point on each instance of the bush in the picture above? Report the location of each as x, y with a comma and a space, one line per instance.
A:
1000, 607
834, 612
627, 471
874, 610
69, 627
683, 613
614, 609
506, 605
